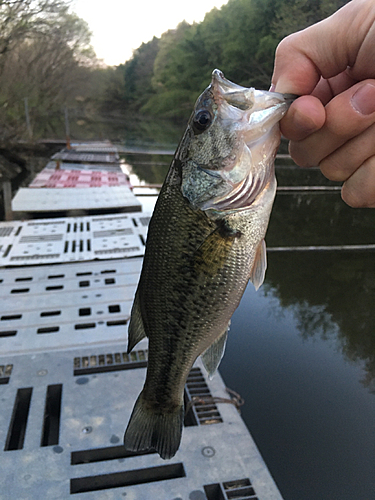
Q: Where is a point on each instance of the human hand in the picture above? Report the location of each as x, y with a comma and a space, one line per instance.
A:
331, 64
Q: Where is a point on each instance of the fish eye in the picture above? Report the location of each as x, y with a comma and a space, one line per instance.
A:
202, 120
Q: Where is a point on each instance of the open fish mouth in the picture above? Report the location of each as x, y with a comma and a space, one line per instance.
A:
244, 98
248, 120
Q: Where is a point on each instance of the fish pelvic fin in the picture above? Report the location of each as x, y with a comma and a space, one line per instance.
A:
152, 429
136, 330
213, 355
258, 271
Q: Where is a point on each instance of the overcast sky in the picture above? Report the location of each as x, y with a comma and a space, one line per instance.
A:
120, 26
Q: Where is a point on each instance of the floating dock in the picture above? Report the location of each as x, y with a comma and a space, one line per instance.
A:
67, 385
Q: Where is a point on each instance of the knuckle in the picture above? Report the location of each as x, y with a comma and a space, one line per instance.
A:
286, 44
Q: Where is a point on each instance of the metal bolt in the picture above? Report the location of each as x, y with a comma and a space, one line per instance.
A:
42, 373
87, 430
208, 451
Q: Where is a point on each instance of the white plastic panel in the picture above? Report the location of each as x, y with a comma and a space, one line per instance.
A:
102, 167
117, 198
69, 443
49, 307
86, 157
70, 239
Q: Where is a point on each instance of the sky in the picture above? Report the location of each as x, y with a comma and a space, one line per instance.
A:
120, 26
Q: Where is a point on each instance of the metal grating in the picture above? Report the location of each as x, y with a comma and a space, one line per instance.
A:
240, 489
28, 202
200, 407
110, 362
43, 241
5, 373
199, 399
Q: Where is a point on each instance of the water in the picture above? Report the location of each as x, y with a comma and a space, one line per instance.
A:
305, 370
301, 350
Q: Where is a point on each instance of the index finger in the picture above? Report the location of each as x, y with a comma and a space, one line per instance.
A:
305, 116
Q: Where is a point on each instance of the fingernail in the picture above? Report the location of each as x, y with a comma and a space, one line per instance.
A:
363, 100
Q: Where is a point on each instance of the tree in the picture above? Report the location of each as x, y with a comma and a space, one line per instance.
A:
138, 74
296, 15
45, 56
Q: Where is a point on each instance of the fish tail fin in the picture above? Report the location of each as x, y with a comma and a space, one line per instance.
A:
150, 429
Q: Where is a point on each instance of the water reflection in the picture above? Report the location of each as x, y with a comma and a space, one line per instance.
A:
332, 296
149, 168
304, 405
318, 219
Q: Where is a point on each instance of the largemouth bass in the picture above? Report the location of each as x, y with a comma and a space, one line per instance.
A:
205, 241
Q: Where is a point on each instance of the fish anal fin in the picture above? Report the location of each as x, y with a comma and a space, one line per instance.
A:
258, 271
212, 356
148, 428
136, 330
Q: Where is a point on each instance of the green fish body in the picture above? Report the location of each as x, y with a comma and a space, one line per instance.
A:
205, 241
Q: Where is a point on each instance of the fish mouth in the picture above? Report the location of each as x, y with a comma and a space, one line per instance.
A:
258, 113
246, 98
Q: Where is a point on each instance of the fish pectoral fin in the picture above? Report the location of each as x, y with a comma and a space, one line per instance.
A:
258, 271
136, 330
213, 253
212, 356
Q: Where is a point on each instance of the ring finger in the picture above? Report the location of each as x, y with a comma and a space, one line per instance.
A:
342, 163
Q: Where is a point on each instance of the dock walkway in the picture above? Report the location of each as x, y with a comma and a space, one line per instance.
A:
67, 385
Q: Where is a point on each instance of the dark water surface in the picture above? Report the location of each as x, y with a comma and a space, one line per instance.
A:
301, 350
305, 370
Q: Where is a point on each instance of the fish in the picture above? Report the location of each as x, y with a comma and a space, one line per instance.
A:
205, 242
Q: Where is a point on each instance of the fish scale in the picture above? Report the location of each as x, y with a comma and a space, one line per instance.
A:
202, 248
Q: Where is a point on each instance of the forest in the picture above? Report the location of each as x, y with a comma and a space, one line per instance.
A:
47, 64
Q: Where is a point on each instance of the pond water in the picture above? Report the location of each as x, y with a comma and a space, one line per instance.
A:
301, 350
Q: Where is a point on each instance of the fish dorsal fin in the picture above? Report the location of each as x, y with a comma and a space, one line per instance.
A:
258, 271
136, 330
212, 356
